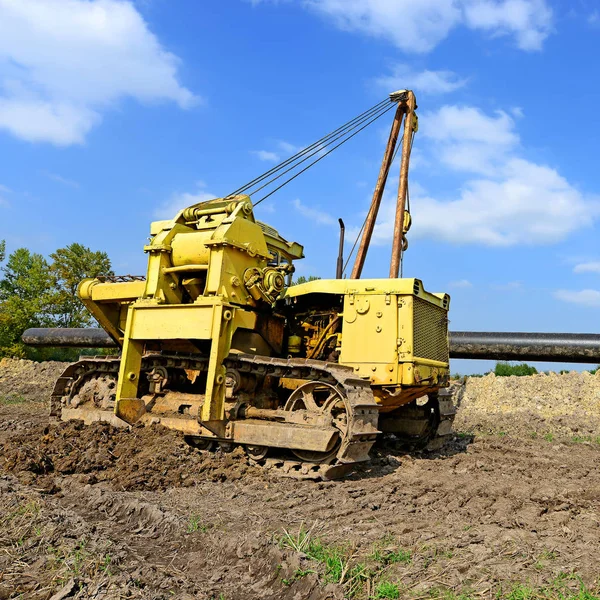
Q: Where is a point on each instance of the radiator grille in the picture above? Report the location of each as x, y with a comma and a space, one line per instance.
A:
430, 331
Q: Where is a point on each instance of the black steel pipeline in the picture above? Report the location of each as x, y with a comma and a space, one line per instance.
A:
73, 337
482, 345
546, 347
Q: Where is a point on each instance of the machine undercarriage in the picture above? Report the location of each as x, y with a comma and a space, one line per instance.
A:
318, 430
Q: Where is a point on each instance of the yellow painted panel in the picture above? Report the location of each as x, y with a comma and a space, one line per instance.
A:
404, 286
175, 322
369, 329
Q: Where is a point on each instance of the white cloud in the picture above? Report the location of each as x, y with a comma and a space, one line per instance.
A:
505, 200
587, 267
582, 297
429, 82
412, 26
181, 200
421, 26
466, 139
460, 283
288, 148
527, 204
283, 151
265, 155
265, 208
64, 62
530, 21
466, 123
314, 214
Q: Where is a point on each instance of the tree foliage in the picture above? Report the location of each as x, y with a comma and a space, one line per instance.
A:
25, 293
505, 369
38, 293
69, 267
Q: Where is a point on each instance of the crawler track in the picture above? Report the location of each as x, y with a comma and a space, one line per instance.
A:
362, 410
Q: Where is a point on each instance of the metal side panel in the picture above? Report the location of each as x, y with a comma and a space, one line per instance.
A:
283, 435
172, 322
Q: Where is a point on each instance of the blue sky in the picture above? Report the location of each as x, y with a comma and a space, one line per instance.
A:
115, 113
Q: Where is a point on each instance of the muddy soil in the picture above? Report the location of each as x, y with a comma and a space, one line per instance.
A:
28, 380
100, 513
95, 512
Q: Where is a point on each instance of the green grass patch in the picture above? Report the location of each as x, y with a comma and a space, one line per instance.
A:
566, 586
334, 561
298, 574
12, 399
29, 509
448, 594
390, 556
583, 439
334, 558
195, 524
387, 590
72, 560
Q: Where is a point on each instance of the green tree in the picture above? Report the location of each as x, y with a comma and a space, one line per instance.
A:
70, 265
505, 369
25, 291
2, 250
35, 293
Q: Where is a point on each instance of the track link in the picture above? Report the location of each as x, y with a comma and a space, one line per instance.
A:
445, 429
421, 426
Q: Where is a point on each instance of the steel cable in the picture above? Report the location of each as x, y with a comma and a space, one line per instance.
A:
349, 125
320, 157
317, 150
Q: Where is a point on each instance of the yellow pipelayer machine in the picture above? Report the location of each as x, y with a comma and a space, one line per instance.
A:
218, 344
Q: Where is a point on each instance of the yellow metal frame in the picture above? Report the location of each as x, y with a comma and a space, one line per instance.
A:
209, 269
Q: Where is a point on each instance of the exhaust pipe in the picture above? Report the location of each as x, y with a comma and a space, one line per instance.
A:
340, 260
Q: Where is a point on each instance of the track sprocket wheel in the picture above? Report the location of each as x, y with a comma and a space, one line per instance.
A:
322, 399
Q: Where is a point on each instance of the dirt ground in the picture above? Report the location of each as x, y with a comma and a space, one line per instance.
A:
102, 513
